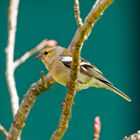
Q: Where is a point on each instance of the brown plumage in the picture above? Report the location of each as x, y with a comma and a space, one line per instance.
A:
58, 61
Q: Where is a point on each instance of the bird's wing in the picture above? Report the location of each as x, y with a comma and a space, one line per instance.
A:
86, 68
93, 71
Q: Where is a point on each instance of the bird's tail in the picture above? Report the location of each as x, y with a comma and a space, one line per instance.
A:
117, 91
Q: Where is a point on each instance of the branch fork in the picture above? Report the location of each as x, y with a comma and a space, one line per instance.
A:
75, 46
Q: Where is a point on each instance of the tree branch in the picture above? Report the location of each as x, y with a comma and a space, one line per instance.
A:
38, 48
77, 13
37, 88
3, 130
83, 32
76, 45
135, 136
97, 128
12, 23
28, 101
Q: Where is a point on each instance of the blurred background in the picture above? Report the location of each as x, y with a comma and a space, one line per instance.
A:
113, 47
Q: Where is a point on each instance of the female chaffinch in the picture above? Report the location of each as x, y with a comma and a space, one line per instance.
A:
58, 61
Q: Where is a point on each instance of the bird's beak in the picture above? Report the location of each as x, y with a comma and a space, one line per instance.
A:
39, 57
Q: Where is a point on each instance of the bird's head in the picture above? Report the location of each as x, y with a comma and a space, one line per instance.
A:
49, 53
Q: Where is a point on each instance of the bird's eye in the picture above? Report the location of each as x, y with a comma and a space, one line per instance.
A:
45, 53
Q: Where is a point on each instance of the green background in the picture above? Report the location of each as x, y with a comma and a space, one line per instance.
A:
113, 47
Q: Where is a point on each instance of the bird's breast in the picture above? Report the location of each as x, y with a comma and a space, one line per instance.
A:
59, 72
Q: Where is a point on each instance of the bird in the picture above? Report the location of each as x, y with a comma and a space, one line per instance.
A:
58, 61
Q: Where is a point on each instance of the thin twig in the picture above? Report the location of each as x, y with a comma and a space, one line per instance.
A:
97, 128
28, 54
28, 101
12, 23
3, 130
76, 45
77, 13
